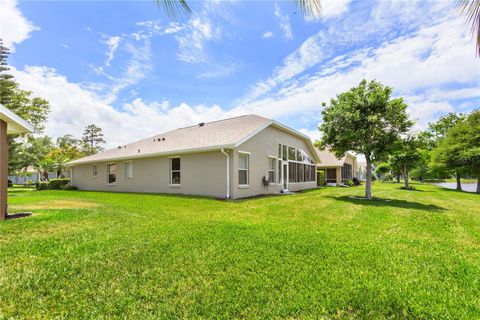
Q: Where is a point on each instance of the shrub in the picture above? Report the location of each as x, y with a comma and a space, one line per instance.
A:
388, 177
321, 178
348, 183
57, 184
41, 185
29, 183
355, 181
10, 183
69, 187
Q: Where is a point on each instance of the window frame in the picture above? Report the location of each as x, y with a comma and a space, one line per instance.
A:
127, 163
274, 170
292, 154
94, 170
171, 171
247, 154
109, 173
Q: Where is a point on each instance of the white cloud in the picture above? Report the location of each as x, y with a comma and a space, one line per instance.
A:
191, 41
193, 38
421, 66
112, 44
314, 134
306, 56
73, 107
14, 27
156, 27
125, 74
219, 69
332, 8
267, 35
284, 22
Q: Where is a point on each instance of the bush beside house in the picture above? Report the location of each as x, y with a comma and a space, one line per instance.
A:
55, 184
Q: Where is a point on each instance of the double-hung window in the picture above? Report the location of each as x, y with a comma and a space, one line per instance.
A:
175, 171
128, 170
272, 163
112, 173
243, 159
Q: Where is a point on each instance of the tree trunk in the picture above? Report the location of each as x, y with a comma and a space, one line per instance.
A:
398, 178
478, 185
405, 178
459, 183
368, 180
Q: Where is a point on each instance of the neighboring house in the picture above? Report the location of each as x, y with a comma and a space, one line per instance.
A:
233, 158
361, 170
337, 171
32, 175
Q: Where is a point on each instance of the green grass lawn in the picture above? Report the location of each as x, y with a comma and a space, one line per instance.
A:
308, 255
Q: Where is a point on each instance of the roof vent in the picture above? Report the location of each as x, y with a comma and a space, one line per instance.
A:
201, 124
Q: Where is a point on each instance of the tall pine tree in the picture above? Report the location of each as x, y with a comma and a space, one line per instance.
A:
92, 139
33, 109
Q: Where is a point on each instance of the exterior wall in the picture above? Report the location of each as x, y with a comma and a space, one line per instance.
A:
260, 147
339, 177
201, 174
351, 160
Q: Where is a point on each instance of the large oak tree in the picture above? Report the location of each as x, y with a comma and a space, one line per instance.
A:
461, 146
365, 120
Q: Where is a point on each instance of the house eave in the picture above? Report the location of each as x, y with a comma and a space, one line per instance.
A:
149, 155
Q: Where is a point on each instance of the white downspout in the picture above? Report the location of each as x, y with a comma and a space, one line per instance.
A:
228, 172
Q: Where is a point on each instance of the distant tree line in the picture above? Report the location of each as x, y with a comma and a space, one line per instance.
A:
37, 150
366, 120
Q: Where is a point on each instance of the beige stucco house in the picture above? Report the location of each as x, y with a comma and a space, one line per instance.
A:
233, 158
337, 171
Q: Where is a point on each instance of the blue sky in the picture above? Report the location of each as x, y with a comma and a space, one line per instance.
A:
127, 68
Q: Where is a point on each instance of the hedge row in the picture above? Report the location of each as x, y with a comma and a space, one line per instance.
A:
55, 184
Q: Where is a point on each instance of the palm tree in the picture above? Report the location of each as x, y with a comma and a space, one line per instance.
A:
46, 165
311, 9
471, 10
67, 141
59, 163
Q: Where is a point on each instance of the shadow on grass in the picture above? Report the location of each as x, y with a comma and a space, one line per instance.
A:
414, 189
393, 203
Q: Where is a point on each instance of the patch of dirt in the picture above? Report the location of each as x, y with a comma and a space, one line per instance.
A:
18, 215
57, 204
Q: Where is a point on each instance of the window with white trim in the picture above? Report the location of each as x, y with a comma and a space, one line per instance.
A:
243, 159
94, 170
272, 164
175, 171
284, 152
128, 169
112, 173
292, 154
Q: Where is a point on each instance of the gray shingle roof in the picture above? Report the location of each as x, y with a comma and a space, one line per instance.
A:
328, 158
213, 135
